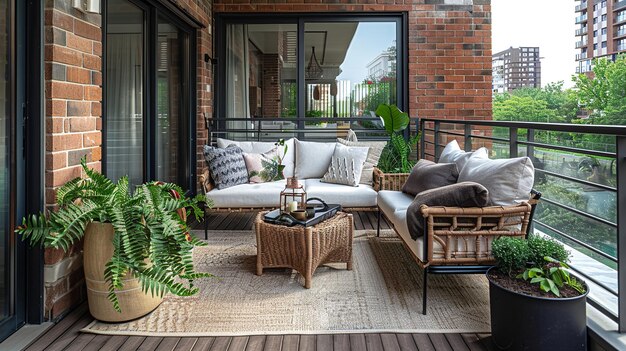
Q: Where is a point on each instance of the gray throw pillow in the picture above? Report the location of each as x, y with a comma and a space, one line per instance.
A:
508, 180
373, 155
226, 165
453, 153
346, 165
464, 194
427, 175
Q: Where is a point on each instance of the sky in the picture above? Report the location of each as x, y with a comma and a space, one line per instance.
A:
548, 24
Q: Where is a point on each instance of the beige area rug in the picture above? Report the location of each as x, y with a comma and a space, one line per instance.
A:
382, 294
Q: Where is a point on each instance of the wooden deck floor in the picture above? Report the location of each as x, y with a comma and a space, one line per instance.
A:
66, 334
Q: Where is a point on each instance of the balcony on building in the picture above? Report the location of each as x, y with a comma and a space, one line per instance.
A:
581, 31
581, 19
619, 5
581, 7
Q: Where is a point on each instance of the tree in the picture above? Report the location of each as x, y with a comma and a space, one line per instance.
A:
604, 94
523, 108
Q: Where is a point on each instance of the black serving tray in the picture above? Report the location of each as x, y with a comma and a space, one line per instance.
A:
321, 214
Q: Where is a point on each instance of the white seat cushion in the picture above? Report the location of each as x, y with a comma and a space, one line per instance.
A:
347, 196
260, 147
392, 201
248, 195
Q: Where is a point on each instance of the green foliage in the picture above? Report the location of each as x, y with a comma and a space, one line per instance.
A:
605, 93
396, 155
536, 253
550, 104
147, 229
552, 277
394, 120
511, 254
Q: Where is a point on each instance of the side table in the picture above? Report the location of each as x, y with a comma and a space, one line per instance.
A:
304, 248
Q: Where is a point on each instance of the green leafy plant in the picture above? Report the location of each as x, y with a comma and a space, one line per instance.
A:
552, 277
538, 259
395, 157
151, 239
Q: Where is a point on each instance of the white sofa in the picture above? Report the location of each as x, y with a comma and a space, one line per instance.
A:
267, 195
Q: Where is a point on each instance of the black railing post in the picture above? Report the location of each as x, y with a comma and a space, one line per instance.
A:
467, 135
621, 230
530, 150
512, 142
436, 139
422, 128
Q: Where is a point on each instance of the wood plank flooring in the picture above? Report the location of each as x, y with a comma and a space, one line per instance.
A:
66, 335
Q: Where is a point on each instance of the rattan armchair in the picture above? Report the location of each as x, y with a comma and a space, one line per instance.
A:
458, 240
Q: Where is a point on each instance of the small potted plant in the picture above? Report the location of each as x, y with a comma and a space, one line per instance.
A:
394, 165
536, 304
136, 246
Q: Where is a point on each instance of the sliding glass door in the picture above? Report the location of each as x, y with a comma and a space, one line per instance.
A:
147, 103
308, 73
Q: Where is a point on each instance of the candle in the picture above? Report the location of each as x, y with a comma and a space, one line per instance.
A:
293, 205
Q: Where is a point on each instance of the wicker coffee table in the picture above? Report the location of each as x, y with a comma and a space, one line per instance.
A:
304, 248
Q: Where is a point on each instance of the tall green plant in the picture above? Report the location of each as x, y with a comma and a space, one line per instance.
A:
395, 157
151, 240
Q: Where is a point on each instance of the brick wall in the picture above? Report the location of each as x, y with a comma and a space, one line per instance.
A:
73, 96
449, 48
272, 65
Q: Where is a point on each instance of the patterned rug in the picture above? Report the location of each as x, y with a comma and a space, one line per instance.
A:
382, 294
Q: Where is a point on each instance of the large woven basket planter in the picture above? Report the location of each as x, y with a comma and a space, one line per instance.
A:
97, 251
389, 181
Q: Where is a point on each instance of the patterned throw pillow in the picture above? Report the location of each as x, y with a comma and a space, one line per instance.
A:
226, 165
346, 165
262, 167
373, 155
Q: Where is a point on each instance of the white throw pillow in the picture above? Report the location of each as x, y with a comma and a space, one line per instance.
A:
373, 155
508, 180
452, 153
260, 147
312, 158
346, 165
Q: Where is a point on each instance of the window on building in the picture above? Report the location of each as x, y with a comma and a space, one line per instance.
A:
603, 32
341, 69
595, 33
595, 46
604, 18
147, 98
603, 44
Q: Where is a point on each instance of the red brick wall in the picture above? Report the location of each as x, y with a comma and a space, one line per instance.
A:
449, 48
73, 94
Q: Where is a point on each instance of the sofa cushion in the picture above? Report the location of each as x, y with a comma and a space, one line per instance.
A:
390, 201
373, 155
427, 175
346, 196
346, 165
464, 194
312, 158
227, 166
262, 167
259, 147
452, 153
509, 181
248, 195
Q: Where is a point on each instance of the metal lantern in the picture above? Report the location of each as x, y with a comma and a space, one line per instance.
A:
293, 197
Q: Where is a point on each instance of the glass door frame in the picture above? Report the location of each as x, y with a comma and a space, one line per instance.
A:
222, 20
152, 11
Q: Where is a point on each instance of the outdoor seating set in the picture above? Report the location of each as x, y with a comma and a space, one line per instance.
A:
447, 213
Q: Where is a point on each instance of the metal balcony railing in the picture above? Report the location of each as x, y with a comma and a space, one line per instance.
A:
580, 44
581, 31
619, 5
581, 172
581, 56
581, 19
581, 7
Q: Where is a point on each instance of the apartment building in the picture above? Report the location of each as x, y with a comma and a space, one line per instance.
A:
516, 68
601, 30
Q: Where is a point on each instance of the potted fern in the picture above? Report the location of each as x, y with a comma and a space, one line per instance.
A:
137, 245
536, 304
394, 164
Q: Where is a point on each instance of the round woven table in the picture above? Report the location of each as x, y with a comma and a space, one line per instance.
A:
304, 248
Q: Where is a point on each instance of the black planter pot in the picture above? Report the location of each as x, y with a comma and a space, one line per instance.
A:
521, 322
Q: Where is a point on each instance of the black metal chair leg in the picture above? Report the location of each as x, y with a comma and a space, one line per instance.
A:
206, 225
424, 290
378, 224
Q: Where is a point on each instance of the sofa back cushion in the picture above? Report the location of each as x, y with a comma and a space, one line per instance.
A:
462, 194
346, 165
509, 180
259, 147
312, 158
427, 175
373, 155
226, 165
452, 153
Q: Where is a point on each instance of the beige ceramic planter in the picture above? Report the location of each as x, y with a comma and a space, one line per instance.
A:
97, 251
